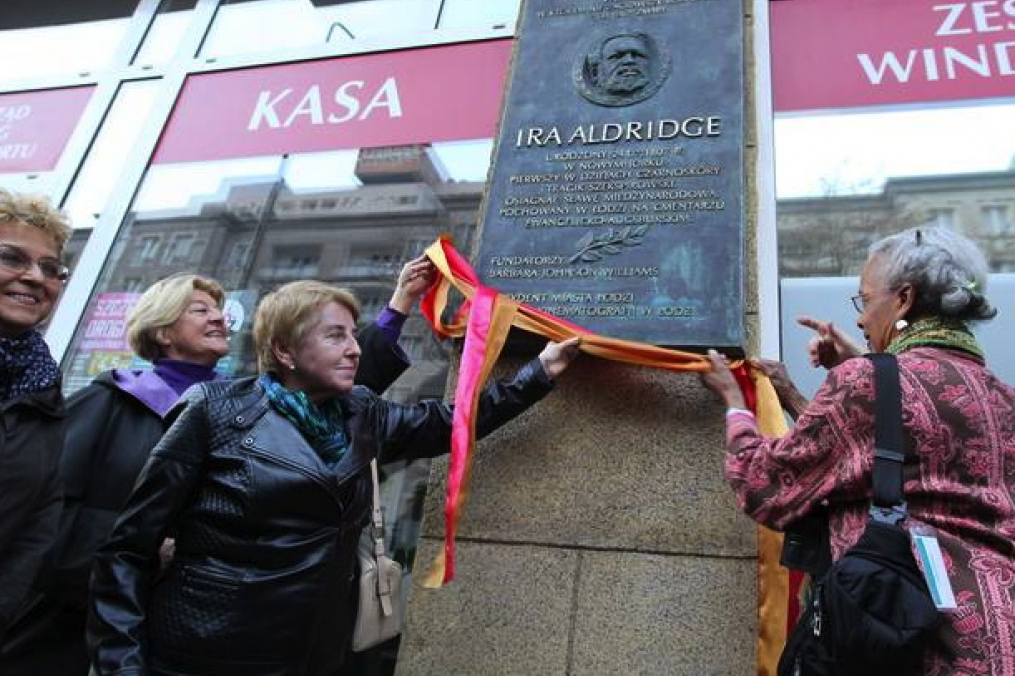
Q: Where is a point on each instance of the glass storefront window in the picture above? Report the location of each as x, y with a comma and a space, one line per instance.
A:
349, 217
338, 169
847, 179
163, 39
465, 14
857, 152
274, 25
110, 151
71, 49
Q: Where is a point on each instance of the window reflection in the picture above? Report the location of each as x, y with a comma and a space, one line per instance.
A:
351, 218
27, 53
164, 36
463, 14
847, 180
243, 26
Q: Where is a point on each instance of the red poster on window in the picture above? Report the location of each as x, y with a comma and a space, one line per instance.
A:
105, 328
842, 54
35, 126
446, 92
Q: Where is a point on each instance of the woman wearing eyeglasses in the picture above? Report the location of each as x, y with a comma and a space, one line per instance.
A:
32, 237
112, 425
920, 291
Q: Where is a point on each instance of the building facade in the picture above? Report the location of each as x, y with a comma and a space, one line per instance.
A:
262, 141
828, 236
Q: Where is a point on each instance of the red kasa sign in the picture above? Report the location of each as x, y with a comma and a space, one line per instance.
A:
838, 54
35, 126
430, 94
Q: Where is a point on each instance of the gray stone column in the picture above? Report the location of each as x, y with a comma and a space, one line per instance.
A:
599, 536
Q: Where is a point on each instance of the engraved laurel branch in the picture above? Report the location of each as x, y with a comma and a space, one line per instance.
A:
592, 247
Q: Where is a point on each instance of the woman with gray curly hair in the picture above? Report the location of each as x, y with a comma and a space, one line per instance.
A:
918, 292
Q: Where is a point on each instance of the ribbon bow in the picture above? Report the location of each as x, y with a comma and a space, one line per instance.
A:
485, 318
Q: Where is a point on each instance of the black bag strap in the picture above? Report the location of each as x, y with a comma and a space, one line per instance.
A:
888, 500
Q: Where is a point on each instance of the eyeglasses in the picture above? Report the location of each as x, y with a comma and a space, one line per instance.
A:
858, 302
13, 258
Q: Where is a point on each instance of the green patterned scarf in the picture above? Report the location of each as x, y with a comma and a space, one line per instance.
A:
937, 332
323, 426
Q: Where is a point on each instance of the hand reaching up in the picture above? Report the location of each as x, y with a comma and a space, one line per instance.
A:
790, 398
414, 279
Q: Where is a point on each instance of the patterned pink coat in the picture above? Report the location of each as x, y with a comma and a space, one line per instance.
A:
960, 419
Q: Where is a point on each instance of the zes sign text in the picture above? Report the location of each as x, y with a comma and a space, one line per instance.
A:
993, 54
891, 52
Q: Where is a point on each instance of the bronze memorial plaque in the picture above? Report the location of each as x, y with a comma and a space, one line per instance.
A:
616, 195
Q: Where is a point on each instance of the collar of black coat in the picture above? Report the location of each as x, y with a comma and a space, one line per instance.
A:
49, 402
242, 403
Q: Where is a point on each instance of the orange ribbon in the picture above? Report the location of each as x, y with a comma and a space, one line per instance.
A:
775, 584
484, 318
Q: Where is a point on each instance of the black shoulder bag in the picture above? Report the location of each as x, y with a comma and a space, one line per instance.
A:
871, 613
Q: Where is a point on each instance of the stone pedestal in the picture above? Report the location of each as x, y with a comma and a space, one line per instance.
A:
599, 538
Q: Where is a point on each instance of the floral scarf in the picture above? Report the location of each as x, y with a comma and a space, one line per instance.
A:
26, 366
323, 425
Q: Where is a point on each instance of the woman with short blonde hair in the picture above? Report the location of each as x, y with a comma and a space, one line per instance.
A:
161, 306
267, 483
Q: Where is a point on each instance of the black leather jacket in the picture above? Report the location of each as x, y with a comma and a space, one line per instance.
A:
110, 433
265, 534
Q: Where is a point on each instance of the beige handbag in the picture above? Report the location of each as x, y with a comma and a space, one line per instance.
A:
381, 610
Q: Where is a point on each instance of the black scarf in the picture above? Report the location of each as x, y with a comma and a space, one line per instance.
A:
26, 366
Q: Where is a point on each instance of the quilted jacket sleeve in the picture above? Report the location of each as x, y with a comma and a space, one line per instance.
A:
126, 565
424, 429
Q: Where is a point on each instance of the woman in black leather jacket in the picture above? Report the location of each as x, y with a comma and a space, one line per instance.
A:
266, 484
115, 422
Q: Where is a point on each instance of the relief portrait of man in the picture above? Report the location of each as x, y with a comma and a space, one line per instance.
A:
620, 69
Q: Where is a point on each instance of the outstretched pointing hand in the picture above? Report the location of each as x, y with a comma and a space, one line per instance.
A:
830, 347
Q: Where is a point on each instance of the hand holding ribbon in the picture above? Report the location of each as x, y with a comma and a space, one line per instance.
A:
485, 318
